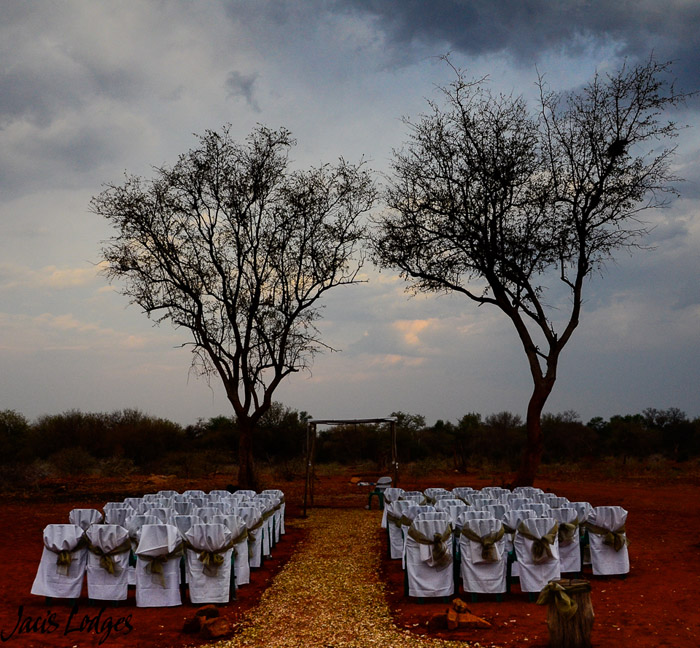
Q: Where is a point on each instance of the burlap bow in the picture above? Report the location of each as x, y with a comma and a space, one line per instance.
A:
487, 542
441, 556
155, 563
107, 557
566, 606
64, 558
567, 532
541, 547
616, 539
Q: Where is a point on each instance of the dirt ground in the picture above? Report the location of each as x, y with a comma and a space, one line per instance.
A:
656, 605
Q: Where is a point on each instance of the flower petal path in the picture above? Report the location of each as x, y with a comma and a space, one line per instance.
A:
330, 594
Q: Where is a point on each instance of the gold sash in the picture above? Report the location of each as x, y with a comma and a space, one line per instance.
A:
487, 542
440, 553
107, 557
541, 547
615, 539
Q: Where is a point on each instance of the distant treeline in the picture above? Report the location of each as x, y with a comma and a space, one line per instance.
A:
75, 443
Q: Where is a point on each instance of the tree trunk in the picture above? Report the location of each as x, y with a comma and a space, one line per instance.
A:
534, 445
247, 476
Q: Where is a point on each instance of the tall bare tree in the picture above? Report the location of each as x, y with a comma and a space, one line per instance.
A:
237, 248
501, 204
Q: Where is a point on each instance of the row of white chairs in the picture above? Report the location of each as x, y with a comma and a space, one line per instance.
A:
211, 550
490, 538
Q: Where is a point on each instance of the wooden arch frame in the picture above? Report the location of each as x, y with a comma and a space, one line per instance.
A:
311, 448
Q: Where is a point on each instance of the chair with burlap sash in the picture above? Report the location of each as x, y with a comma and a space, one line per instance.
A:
276, 517
409, 514
432, 493
158, 566
483, 556
394, 513
608, 540
391, 495
276, 492
429, 557
464, 493
255, 525
267, 509
239, 533
63, 561
109, 547
208, 553
536, 547
569, 539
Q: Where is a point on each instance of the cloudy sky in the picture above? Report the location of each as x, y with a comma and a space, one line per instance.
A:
91, 89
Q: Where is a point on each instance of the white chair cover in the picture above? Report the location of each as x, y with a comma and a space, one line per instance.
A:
415, 496
432, 493
519, 502
394, 511
482, 502
108, 562
154, 589
569, 543
427, 575
479, 574
184, 522
206, 513
497, 510
583, 509
535, 574
246, 493
390, 495
84, 517
194, 493
609, 553
267, 508
135, 503
407, 518
167, 493
118, 515
278, 493
541, 509
162, 513
558, 502
494, 491
239, 534
464, 493
109, 505
527, 491
276, 518
133, 526
62, 543
252, 516
182, 508
453, 507
209, 582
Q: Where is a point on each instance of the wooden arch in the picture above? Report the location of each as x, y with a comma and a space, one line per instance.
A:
311, 449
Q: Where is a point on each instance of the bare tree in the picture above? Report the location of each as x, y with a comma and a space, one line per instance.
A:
235, 247
500, 204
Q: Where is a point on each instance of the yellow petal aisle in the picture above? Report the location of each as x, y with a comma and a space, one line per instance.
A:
329, 594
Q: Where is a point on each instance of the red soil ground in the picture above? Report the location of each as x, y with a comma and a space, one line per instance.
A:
656, 605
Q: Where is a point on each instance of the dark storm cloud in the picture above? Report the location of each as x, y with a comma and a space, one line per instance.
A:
530, 29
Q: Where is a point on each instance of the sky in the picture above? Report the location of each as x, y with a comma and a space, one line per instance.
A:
92, 89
